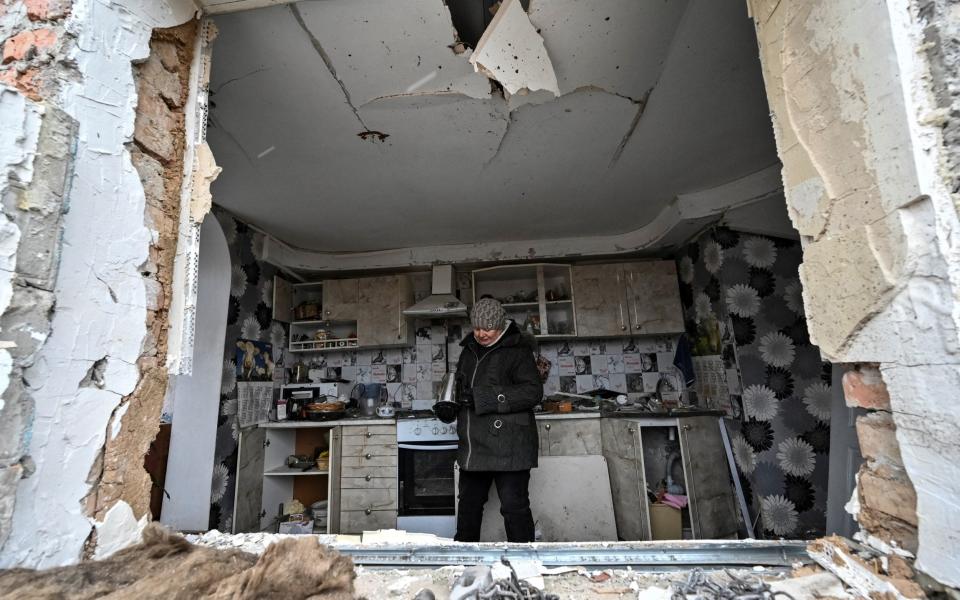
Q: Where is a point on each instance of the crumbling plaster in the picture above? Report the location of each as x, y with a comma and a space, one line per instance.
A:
862, 142
89, 361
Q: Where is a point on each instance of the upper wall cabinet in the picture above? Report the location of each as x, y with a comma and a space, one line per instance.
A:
350, 313
538, 297
641, 298
380, 305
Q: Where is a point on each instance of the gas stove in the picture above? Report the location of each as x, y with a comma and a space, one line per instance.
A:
420, 428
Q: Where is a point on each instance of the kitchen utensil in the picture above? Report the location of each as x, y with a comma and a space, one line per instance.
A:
299, 461
385, 411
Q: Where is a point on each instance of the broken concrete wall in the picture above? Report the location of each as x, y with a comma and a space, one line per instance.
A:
157, 154
854, 97
75, 58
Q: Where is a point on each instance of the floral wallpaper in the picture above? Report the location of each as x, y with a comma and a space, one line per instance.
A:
249, 317
749, 285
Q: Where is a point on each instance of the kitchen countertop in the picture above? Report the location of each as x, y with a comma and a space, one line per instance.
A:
583, 414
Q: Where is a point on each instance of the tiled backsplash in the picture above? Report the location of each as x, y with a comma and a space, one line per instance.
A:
627, 365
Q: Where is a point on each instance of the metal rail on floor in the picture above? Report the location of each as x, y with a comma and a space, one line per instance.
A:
637, 555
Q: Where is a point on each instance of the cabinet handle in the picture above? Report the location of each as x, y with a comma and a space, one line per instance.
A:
547, 426
368, 434
368, 456
368, 478
630, 430
633, 297
685, 427
367, 511
623, 325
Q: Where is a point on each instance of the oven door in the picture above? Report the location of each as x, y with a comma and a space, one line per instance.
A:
425, 472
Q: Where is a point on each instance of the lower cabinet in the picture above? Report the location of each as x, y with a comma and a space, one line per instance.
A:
367, 490
685, 454
569, 437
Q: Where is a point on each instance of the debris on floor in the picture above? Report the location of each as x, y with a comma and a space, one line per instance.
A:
165, 565
868, 573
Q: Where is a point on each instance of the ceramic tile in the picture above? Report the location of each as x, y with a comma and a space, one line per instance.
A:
363, 357
580, 348
629, 346
438, 353
632, 363
598, 364
438, 333
618, 382
566, 366
665, 361
424, 372
551, 386
424, 335
598, 347
437, 371
424, 390
364, 374
393, 373
648, 362
436, 389
409, 355
350, 358
409, 374
634, 382
568, 384
650, 382
601, 382
392, 391
582, 365
349, 373
378, 373
334, 359
565, 349
393, 356
615, 364
584, 383
378, 358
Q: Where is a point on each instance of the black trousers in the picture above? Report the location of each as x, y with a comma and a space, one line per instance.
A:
512, 487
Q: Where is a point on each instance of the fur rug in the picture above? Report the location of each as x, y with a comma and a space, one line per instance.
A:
165, 565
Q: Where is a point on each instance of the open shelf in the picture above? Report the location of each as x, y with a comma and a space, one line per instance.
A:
293, 472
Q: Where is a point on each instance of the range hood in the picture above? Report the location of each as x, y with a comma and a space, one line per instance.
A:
441, 302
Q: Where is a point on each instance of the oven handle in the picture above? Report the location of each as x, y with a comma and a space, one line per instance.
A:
425, 447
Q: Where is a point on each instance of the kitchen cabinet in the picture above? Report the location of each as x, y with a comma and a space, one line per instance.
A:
379, 311
617, 299
367, 493
687, 452
264, 482
538, 297
569, 437
335, 314
340, 299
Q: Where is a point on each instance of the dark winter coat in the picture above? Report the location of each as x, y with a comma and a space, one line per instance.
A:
499, 433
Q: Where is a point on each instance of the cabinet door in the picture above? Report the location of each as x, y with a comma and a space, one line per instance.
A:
282, 299
620, 441
543, 433
600, 300
653, 297
712, 513
340, 299
380, 320
573, 437
248, 499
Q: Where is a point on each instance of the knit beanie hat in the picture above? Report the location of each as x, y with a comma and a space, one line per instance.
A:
488, 314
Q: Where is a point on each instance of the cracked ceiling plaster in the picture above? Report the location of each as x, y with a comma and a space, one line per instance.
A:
657, 99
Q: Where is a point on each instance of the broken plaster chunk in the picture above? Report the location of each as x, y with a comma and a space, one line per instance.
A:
512, 53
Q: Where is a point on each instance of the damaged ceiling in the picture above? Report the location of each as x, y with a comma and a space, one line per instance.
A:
354, 125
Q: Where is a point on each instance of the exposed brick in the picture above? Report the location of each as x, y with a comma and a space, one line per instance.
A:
864, 388
888, 490
26, 82
156, 127
26, 44
888, 529
46, 10
878, 438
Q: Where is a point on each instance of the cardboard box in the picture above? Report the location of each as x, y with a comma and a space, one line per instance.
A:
665, 523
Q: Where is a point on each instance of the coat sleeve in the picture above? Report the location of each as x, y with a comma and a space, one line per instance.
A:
522, 393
